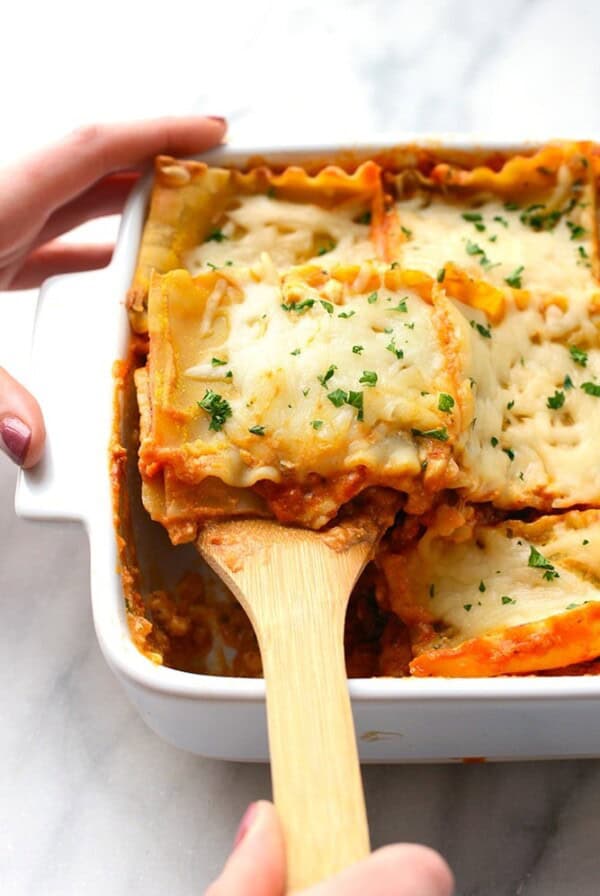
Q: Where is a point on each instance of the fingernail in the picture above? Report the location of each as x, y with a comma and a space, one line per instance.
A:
215, 118
15, 437
245, 824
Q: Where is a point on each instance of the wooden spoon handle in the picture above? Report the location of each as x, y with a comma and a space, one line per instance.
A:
317, 784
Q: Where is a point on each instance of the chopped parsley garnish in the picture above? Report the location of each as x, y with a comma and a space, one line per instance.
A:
364, 218
324, 379
441, 435
212, 266
229, 374
346, 314
401, 306
538, 561
467, 607
582, 252
482, 586
511, 206
585, 541
510, 405
474, 249
507, 600
338, 398
257, 430
484, 331
215, 236
407, 233
445, 402
577, 231
501, 220
316, 424
441, 274
327, 306
271, 193
391, 347
472, 217
372, 298
572, 606
355, 399
299, 307
494, 441
509, 453
591, 389
357, 349
493, 238
579, 355
396, 264
295, 352
218, 408
305, 391
217, 362
369, 378
514, 279
568, 383
556, 401
325, 249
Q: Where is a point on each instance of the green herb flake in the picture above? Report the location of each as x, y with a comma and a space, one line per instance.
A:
215, 236
295, 352
355, 400
577, 231
472, 217
358, 349
482, 586
217, 362
338, 397
441, 274
510, 405
568, 383
364, 218
501, 220
316, 424
474, 249
591, 389
325, 249
299, 307
346, 314
579, 355
327, 306
511, 206
391, 347
585, 541
514, 279
369, 378
467, 607
271, 193
441, 435
407, 233
507, 600
371, 299
556, 401
324, 379
218, 408
494, 442
509, 453
212, 266
538, 561
445, 402
401, 306
484, 331
257, 430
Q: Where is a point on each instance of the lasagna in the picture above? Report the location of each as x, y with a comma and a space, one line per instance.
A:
420, 322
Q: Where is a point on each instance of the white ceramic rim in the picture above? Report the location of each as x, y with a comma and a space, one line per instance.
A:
109, 612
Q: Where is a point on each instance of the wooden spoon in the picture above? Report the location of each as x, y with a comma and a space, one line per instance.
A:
294, 584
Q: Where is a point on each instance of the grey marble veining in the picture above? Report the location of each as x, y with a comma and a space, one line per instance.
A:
90, 800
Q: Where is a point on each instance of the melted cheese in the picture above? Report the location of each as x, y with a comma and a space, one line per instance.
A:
290, 232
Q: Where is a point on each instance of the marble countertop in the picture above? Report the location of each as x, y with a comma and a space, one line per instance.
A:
91, 801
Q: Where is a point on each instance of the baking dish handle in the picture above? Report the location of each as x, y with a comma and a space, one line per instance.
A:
65, 363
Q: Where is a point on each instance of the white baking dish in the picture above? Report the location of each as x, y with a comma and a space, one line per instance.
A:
81, 328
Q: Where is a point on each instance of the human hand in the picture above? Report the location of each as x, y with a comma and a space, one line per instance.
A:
86, 175
256, 866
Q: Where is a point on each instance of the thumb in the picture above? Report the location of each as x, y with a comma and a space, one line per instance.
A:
256, 866
22, 431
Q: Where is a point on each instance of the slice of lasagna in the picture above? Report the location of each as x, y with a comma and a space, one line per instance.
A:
417, 323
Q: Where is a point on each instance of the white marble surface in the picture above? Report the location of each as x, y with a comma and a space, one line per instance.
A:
90, 801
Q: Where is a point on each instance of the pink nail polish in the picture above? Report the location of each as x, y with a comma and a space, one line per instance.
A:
245, 824
15, 437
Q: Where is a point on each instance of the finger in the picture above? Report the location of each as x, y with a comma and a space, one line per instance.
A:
55, 175
22, 431
106, 197
256, 866
401, 870
59, 258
